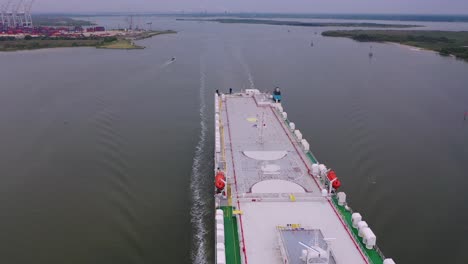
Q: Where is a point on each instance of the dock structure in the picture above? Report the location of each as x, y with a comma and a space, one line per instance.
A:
284, 214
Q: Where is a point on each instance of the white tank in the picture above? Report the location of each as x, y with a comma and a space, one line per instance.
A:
285, 115
315, 170
356, 218
305, 145
220, 237
388, 261
368, 238
220, 246
219, 212
360, 226
298, 134
292, 126
220, 257
341, 198
220, 227
323, 170
219, 219
324, 192
279, 107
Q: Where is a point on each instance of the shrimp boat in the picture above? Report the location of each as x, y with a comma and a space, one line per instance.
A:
274, 201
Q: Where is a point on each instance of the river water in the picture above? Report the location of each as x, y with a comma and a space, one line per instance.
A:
106, 155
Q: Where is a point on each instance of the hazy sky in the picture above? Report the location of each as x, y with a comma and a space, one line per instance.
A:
295, 6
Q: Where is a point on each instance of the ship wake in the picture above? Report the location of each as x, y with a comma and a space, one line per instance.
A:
199, 182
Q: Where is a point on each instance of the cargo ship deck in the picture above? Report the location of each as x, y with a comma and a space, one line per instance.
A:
269, 182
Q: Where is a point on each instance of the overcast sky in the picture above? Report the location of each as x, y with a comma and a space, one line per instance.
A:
293, 6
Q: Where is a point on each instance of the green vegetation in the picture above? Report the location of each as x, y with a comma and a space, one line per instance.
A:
444, 42
301, 24
120, 44
115, 42
29, 43
59, 21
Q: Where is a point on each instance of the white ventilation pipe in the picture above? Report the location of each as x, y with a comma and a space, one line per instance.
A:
361, 225
305, 145
369, 238
298, 134
323, 170
315, 170
341, 198
356, 218
292, 126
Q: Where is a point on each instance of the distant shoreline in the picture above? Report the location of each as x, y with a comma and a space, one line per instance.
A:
298, 23
258, 15
446, 43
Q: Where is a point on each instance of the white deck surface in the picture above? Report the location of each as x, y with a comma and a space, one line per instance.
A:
282, 160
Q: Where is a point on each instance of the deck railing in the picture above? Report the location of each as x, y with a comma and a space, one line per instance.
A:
324, 182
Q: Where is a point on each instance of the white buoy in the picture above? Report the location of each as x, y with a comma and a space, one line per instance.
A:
285, 115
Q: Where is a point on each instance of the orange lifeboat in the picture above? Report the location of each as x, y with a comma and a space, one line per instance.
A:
220, 181
332, 177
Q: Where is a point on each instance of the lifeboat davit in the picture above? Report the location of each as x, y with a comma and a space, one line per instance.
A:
220, 181
332, 177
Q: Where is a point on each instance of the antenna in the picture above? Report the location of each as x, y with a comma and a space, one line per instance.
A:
260, 128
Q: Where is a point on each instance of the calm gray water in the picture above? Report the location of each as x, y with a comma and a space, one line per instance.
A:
105, 156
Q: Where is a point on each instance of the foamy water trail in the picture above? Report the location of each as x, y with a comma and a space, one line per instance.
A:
246, 68
167, 63
198, 211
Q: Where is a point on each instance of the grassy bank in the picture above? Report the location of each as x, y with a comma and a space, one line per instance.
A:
120, 44
126, 41
302, 24
444, 42
45, 43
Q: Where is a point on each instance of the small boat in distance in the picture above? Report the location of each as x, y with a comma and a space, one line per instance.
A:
173, 59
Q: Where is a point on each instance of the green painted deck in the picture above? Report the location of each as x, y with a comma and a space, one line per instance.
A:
311, 157
372, 254
231, 237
